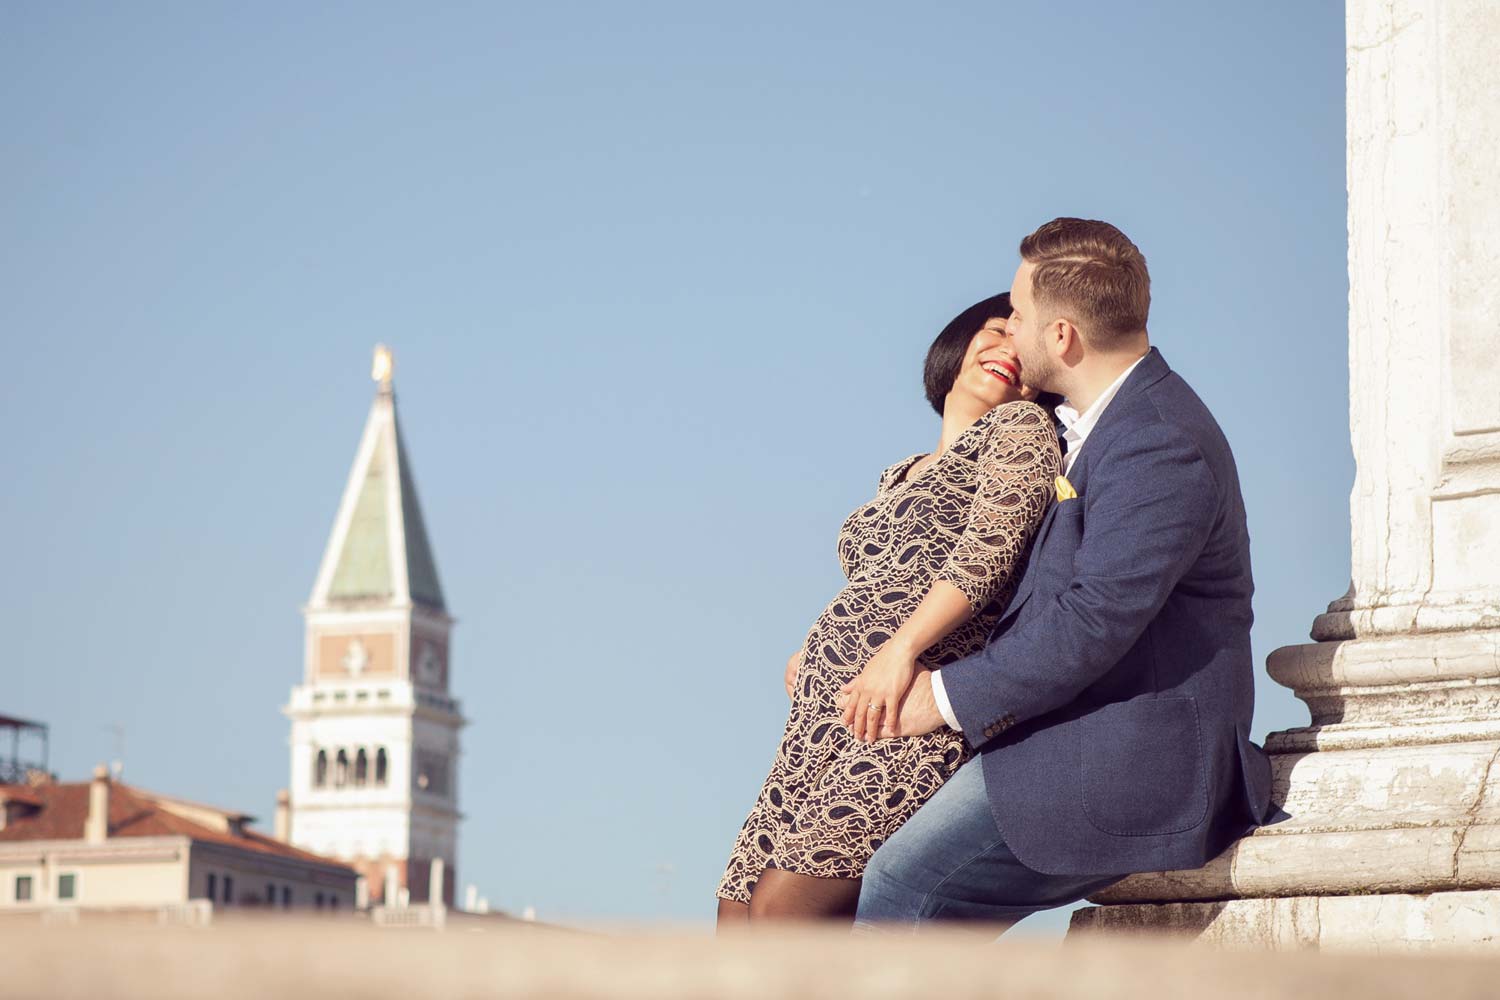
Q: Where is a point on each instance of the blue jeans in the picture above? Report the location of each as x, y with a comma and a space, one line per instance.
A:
949, 862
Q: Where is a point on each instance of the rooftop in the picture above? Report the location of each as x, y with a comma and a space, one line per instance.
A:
378, 551
57, 811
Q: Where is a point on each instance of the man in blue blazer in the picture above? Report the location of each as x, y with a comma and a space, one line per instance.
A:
1111, 707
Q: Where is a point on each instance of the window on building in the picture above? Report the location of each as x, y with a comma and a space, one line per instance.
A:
317, 900
341, 769
333, 902
361, 767
431, 773
213, 887
270, 894
380, 766
320, 770
23, 888
286, 897
67, 886
228, 889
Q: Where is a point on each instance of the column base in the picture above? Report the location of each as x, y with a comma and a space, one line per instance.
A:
1379, 923
1386, 830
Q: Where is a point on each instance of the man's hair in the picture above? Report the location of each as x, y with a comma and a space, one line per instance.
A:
1090, 272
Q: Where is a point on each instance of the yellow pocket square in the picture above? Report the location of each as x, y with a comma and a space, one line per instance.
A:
1065, 490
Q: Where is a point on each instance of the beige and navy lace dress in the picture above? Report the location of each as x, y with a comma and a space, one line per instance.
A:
966, 518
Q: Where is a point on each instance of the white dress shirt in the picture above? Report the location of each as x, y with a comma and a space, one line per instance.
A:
1076, 428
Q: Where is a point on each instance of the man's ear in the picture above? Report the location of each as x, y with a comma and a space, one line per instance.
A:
1064, 337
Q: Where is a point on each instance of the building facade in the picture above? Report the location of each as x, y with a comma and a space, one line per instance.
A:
106, 846
375, 730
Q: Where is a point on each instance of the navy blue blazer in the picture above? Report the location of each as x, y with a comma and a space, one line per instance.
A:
1111, 705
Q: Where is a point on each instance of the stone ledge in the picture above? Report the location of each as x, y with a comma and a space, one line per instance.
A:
1380, 923
290, 959
1413, 819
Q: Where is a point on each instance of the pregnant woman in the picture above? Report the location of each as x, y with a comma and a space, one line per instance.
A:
930, 561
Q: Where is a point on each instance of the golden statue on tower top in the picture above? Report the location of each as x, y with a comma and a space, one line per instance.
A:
383, 367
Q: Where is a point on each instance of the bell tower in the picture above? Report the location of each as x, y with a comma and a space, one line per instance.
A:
375, 727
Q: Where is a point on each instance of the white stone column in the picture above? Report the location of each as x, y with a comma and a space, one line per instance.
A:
1389, 835
435, 880
1424, 308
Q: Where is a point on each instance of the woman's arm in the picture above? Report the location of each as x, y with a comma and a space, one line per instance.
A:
1017, 466
1018, 470
886, 677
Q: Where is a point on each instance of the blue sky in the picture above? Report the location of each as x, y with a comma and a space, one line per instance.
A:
659, 279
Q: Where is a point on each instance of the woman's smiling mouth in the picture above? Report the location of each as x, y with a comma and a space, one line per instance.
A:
1003, 371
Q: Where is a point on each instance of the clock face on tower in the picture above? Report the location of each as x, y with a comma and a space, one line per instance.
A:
429, 665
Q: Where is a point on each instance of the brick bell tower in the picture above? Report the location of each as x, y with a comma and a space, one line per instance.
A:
375, 728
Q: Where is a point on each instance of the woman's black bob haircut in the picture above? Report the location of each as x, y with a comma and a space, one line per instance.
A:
946, 354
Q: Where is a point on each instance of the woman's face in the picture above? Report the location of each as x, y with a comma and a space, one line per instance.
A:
991, 370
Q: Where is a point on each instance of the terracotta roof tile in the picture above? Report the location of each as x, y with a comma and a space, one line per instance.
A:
20, 793
132, 813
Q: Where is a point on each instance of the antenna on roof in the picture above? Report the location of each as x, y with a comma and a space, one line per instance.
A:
117, 766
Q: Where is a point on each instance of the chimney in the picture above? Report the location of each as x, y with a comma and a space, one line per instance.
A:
96, 827
283, 816
388, 891
471, 898
435, 883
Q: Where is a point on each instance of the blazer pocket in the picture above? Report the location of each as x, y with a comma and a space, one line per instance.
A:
1143, 767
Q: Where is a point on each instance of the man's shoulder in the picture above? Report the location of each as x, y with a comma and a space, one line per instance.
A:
1162, 411
1165, 427
1181, 411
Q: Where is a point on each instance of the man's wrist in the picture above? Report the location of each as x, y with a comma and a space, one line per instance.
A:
944, 706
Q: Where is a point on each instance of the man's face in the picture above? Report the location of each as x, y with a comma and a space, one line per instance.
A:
1025, 327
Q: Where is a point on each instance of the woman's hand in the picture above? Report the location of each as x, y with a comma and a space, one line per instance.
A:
873, 699
793, 663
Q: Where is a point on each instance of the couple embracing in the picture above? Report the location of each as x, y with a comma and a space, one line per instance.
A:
1038, 679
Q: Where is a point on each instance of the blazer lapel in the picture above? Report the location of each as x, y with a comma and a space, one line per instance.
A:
1152, 369
1043, 528
1025, 587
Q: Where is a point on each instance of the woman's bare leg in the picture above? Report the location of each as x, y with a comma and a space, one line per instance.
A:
780, 895
733, 915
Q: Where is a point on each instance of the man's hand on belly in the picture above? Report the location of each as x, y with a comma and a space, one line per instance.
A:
919, 712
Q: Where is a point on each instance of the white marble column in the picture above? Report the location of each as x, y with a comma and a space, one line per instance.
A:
1390, 830
1424, 308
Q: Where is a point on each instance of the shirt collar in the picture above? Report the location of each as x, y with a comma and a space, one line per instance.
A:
1076, 426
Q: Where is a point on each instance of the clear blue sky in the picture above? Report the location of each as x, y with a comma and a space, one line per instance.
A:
659, 280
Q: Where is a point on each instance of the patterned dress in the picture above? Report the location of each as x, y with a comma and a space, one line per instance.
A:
966, 518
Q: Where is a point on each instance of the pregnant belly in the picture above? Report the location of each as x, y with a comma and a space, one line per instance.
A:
863, 617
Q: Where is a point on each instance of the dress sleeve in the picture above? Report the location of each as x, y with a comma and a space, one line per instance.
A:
1017, 466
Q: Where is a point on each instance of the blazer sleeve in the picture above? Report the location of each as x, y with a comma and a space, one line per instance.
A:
1017, 465
1149, 506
